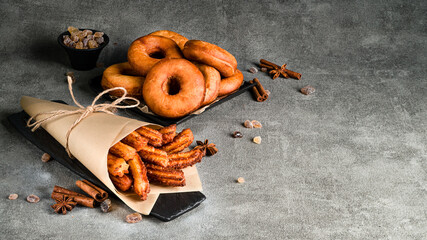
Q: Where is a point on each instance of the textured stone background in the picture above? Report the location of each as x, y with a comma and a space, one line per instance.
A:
348, 162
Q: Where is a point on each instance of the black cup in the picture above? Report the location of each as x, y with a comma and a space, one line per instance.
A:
83, 59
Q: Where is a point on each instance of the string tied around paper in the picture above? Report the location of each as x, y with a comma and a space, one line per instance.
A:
108, 108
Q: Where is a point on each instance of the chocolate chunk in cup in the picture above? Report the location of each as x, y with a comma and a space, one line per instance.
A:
83, 59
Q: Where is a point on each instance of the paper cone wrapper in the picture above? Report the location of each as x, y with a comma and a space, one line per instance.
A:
90, 141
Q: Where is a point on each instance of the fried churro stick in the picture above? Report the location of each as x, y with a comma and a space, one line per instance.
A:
154, 171
122, 183
180, 142
185, 159
117, 166
169, 182
168, 133
135, 140
154, 136
153, 155
141, 185
123, 150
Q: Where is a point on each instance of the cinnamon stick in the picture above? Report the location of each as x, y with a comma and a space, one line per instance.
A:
257, 95
81, 200
62, 190
268, 64
92, 190
261, 89
293, 74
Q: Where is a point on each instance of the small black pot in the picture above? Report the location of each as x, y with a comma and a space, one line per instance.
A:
83, 59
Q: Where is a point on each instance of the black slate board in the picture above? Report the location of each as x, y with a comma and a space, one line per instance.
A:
167, 207
95, 85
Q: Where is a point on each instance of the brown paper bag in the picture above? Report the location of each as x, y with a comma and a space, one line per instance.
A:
90, 141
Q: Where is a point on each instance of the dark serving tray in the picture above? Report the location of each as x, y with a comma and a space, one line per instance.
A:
95, 85
168, 206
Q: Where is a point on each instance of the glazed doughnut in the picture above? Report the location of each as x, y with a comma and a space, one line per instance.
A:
178, 38
174, 88
230, 84
122, 75
148, 50
212, 81
211, 55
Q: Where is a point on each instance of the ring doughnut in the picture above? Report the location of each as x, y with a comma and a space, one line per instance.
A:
212, 81
211, 55
174, 88
148, 50
122, 75
230, 84
178, 38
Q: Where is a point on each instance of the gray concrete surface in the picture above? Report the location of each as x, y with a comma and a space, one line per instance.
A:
348, 162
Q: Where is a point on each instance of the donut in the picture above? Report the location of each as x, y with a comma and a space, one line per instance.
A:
230, 84
212, 81
174, 88
122, 75
148, 50
211, 55
178, 38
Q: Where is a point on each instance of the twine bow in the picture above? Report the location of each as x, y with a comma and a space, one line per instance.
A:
108, 108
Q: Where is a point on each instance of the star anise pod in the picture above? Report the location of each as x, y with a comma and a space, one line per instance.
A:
277, 72
211, 150
202, 146
63, 205
283, 71
206, 147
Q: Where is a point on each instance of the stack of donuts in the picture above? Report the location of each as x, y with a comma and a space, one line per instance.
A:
173, 75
